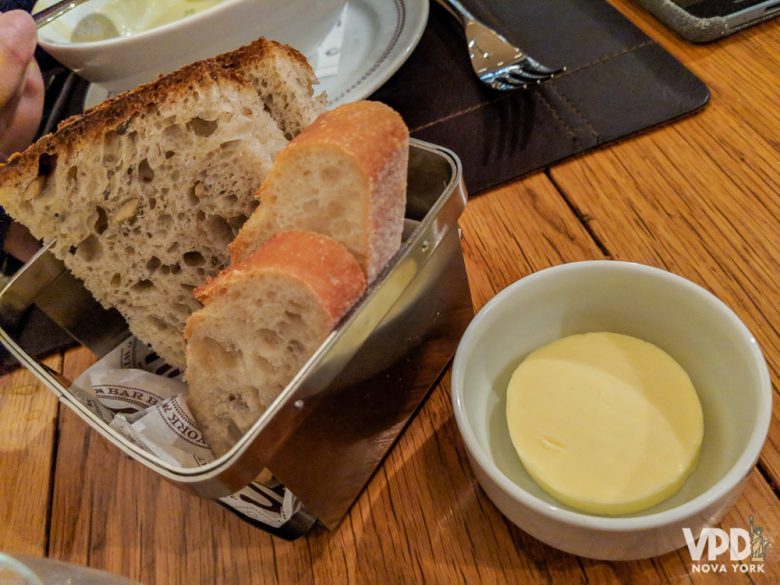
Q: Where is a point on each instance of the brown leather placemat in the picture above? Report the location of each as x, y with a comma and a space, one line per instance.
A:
618, 82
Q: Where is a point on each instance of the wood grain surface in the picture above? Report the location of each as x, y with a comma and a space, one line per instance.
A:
28, 421
702, 197
699, 197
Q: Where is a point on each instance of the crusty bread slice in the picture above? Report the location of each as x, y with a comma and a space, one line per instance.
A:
144, 192
344, 176
282, 78
262, 319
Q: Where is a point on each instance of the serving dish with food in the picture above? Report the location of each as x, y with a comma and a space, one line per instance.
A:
140, 197
631, 358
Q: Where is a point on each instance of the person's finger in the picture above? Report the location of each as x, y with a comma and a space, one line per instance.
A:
20, 118
30, 108
18, 37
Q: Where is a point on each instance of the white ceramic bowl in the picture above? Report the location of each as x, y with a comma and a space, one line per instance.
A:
125, 62
705, 337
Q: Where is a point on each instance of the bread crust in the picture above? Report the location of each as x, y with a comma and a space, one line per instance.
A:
376, 139
79, 130
321, 263
371, 132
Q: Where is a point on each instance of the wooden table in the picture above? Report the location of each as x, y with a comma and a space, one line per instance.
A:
699, 197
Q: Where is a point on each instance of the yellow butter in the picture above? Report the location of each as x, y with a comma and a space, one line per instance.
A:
605, 423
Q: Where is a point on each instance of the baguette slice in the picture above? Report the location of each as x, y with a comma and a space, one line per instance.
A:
262, 319
344, 176
144, 192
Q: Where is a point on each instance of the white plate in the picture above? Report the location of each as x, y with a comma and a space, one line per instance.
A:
379, 36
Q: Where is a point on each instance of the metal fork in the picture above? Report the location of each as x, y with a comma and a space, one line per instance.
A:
496, 61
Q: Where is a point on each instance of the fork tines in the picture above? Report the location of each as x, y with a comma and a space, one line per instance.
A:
520, 74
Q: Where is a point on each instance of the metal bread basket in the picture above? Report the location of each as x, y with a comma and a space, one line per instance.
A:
332, 426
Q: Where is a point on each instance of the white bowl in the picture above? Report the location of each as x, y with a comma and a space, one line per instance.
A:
124, 62
705, 337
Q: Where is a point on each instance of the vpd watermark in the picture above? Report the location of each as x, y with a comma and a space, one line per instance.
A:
747, 549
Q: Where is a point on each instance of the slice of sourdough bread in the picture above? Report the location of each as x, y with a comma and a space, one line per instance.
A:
344, 176
262, 319
144, 192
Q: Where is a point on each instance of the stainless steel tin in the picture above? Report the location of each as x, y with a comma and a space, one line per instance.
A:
334, 423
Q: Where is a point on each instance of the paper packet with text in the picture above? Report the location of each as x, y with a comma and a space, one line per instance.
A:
143, 398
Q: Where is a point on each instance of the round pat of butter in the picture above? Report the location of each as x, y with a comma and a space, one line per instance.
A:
605, 423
